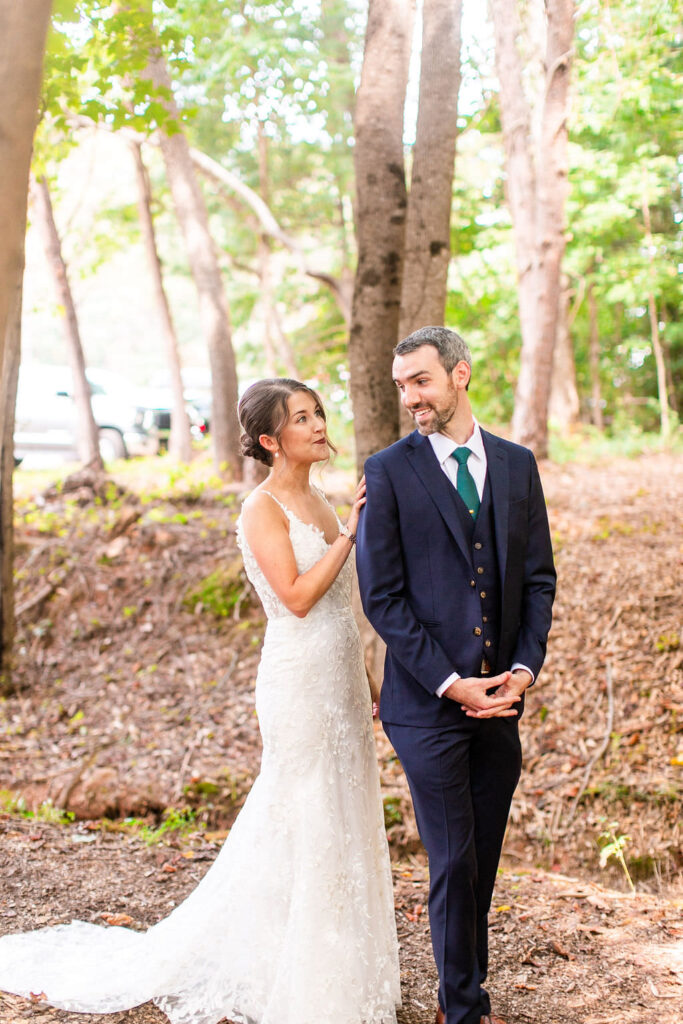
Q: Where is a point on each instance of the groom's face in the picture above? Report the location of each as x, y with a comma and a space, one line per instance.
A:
427, 391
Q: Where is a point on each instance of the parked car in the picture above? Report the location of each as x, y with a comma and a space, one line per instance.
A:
197, 391
158, 404
46, 420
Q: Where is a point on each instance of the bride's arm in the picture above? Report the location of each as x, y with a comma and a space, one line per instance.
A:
266, 529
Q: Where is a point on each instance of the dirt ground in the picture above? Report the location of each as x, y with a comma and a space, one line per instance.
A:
136, 653
563, 951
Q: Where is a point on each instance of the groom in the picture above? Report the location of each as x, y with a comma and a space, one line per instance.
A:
456, 575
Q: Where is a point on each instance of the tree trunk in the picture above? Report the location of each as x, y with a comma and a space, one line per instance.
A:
428, 222
180, 440
536, 191
8, 385
380, 219
23, 28
563, 407
88, 434
594, 359
278, 349
213, 310
665, 418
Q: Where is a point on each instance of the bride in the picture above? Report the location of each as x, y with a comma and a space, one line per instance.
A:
294, 922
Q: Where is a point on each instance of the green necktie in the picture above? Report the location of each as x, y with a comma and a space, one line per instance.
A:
467, 489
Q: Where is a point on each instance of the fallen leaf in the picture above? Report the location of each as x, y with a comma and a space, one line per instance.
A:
557, 948
117, 920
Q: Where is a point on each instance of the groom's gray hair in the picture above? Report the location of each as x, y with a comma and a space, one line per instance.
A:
450, 346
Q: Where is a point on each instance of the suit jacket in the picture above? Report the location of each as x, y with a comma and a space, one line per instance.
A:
415, 571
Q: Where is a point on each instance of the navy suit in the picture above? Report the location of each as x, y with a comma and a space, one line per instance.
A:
448, 595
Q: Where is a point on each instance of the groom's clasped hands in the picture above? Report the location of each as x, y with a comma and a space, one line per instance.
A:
489, 696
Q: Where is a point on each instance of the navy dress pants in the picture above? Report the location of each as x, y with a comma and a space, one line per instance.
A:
461, 779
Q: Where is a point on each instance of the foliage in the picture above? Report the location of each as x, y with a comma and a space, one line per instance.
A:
613, 845
175, 823
221, 593
626, 153
12, 804
268, 91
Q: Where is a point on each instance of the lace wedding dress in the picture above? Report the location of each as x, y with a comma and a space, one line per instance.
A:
294, 922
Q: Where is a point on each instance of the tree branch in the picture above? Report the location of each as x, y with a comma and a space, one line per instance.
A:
269, 225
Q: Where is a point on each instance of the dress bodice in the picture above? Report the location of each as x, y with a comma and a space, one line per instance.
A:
309, 545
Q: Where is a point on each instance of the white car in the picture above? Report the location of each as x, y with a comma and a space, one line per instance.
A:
46, 420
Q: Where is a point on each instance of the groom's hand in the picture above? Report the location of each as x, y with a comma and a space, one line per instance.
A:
511, 690
475, 700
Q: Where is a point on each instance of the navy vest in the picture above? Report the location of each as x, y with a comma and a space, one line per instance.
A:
485, 577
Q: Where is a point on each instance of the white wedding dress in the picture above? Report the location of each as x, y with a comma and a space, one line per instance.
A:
294, 922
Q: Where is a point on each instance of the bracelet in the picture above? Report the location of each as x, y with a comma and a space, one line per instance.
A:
345, 532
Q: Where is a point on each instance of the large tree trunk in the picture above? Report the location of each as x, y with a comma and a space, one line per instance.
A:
536, 190
563, 408
213, 309
180, 440
428, 223
23, 28
8, 395
380, 219
88, 435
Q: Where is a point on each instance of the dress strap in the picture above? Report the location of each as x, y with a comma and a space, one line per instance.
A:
326, 500
277, 501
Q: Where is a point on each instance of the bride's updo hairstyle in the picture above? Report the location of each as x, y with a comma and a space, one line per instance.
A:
263, 410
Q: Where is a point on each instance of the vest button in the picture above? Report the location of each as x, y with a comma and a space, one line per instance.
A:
480, 569
482, 594
484, 618
473, 583
477, 631
478, 545
487, 643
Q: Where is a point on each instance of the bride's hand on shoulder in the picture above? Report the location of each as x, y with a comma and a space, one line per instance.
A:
357, 504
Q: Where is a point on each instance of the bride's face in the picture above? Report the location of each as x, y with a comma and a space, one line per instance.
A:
304, 436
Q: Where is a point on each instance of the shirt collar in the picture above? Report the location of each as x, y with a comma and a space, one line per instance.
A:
445, 446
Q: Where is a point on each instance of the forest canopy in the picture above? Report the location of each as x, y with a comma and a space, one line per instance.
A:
265, 93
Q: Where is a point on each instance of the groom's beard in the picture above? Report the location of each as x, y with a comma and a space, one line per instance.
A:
441, 415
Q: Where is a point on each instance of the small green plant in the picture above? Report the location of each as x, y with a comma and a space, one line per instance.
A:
174, 820
607, 526
668, 642
160, 515
10, 803
392, 811
614, 846
221, 593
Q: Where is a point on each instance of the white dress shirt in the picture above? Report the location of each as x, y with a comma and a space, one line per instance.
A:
443, 449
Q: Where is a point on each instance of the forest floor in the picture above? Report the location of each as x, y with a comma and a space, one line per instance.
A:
136, 654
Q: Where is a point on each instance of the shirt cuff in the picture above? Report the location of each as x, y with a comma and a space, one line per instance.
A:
446, 683
524, 668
